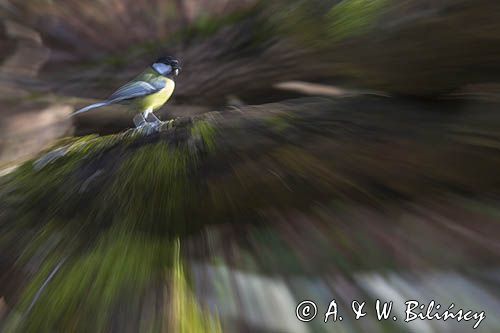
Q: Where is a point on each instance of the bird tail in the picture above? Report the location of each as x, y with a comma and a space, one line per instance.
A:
92, 106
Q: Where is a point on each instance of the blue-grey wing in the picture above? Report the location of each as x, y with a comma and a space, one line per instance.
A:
135, 89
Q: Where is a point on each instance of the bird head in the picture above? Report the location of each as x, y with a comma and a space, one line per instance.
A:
167, 66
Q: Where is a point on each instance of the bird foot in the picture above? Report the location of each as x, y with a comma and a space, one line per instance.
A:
149, 127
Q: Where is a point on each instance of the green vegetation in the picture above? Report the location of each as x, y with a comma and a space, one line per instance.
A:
207, 25
119, 266
153, 186
100, 256
351, 18
118, 269
206, 132
280, 122
96, 228
188, 316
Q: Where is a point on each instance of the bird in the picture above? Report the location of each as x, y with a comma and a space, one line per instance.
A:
146, 93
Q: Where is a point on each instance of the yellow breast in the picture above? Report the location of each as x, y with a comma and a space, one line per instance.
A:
156, 100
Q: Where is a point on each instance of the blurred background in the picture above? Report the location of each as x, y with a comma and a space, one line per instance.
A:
320, 149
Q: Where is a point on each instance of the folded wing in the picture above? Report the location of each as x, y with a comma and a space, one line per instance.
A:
129, 91
134, 90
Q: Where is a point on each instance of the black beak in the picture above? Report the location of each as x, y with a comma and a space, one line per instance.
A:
177, 69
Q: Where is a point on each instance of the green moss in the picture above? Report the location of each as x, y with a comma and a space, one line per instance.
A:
116, 270
145, 200
187, 315
41, 186
279, 122
206, 25
112, 276
354, 17
206, 131
94, 144
152, 189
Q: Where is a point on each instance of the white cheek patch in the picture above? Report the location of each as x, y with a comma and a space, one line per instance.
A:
162, 68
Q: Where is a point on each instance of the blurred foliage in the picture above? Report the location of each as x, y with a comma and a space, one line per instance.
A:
118, 268
94, 28
103, 217
351, 18
92, 228
205, 131
246, 47
188, 316
111, 277
173, 192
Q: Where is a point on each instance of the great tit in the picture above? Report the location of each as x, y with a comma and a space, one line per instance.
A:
146, 93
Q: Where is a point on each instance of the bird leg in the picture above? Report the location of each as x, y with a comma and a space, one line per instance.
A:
145, 126
146, 113
139, 120
150, 117
154, 118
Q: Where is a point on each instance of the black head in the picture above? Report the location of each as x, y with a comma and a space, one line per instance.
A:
167, 66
